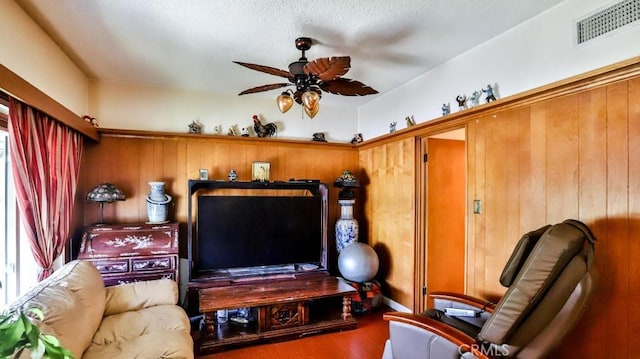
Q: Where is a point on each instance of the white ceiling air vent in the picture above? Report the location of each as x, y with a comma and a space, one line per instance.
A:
609, 19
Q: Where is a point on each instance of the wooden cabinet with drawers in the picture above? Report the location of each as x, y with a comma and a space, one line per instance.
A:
126, 253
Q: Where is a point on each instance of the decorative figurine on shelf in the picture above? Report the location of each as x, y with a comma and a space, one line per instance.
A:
410, 121
318, 137
357, 138
233, 130
475, 98
233, 176
268, 130
244, 132
446, 109
217, 129
346, 225
91, 120
490, 95
462, 102
195, 127
392, 127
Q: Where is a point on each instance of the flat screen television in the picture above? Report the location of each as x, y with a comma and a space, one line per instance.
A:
244, 234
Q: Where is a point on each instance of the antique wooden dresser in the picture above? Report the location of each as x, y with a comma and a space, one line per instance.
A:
126, 253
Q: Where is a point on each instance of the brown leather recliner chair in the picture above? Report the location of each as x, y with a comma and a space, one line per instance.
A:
550, 279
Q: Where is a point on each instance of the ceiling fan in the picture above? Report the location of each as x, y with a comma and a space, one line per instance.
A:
310, 78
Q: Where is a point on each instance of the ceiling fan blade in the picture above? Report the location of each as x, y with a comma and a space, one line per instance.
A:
328, 68
347, 87
264, 88
266, 69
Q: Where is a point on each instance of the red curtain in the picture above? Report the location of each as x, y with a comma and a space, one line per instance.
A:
45, 156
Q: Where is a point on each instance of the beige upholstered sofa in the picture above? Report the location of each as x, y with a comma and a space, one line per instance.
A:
136, 320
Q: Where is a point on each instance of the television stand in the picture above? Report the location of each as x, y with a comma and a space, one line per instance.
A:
285, 310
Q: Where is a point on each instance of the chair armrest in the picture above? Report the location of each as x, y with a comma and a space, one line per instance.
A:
139, 295
479, 303
458, 338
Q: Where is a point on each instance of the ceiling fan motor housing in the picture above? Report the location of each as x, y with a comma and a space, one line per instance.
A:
303, 43
297, 68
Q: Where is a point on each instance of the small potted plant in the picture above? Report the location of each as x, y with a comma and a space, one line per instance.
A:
17, 333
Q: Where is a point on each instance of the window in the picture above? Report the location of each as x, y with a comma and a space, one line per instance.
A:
18, 271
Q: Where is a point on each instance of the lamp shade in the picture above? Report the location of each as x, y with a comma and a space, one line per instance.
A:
347, 181
310, 99
284, 101
105, 192
312, 112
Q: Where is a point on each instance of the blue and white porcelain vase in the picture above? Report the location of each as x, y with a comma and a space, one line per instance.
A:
233, 176
157, 203
346, 225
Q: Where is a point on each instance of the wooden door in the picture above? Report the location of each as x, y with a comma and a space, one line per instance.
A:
445, 216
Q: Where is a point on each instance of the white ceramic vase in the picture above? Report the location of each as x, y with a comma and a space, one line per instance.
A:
157, 203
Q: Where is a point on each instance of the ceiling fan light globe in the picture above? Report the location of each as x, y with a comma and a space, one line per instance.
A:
312, 112
284, 101
310, 99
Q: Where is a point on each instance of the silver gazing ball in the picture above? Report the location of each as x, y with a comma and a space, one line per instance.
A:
358, 262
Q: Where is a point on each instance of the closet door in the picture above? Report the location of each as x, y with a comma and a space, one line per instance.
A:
446, 195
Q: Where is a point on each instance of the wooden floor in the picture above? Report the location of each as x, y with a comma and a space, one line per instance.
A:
367, 341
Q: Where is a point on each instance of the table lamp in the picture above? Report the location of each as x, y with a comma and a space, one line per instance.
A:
105, 193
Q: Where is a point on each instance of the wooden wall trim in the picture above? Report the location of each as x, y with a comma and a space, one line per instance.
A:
26, 92
4, 100
619, 71
419, 279
119, 133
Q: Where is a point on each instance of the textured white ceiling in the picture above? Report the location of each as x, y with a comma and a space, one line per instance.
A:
190, 44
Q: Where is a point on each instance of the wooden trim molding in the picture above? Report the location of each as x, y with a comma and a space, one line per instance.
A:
4, 100
121, 133
26, 92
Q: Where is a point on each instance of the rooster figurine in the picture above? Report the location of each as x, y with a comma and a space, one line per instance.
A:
268, 130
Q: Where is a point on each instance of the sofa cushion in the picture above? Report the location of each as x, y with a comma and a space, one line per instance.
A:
122, 298
160, 331
72, 300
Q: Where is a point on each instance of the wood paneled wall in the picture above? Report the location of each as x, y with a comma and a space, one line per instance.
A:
131, 159
577, 156
388, 200
566, 152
